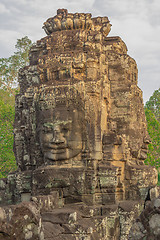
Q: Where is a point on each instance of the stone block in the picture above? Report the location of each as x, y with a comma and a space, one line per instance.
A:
69, 180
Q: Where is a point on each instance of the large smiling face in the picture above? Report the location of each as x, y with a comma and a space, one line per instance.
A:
61, 134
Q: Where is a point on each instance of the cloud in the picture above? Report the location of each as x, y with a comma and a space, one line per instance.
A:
3, 9
8, 41
136, 22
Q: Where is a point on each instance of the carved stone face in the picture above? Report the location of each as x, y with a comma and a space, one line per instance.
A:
139, 146
61, 134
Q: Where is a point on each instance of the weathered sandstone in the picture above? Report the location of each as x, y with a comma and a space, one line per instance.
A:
80, 137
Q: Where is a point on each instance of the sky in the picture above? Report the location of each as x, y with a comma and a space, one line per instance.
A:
137, 22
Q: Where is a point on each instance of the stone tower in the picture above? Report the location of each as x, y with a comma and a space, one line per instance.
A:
80, 137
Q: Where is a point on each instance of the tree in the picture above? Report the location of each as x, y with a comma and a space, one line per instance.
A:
7, 159
152, 112
9, 66
154, 104
8, 87
154, 132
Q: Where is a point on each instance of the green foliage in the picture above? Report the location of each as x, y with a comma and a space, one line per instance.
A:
154, 132
8, 98
7, 159
154, 104
158, 178
152, 111
8, 88
9, 66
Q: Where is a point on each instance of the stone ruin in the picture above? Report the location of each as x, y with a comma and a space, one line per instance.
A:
80, 138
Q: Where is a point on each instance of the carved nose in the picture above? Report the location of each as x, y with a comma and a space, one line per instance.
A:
57, 136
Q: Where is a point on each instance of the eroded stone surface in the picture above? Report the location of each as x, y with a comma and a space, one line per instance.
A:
80, 135
21, 222
147, 225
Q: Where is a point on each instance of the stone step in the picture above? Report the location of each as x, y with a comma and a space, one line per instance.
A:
62, 215
68, 223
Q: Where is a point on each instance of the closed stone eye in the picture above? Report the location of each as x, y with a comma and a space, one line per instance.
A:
65, 130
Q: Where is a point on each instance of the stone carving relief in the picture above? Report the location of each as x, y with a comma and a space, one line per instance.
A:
60, 120
68, 21
80, 134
